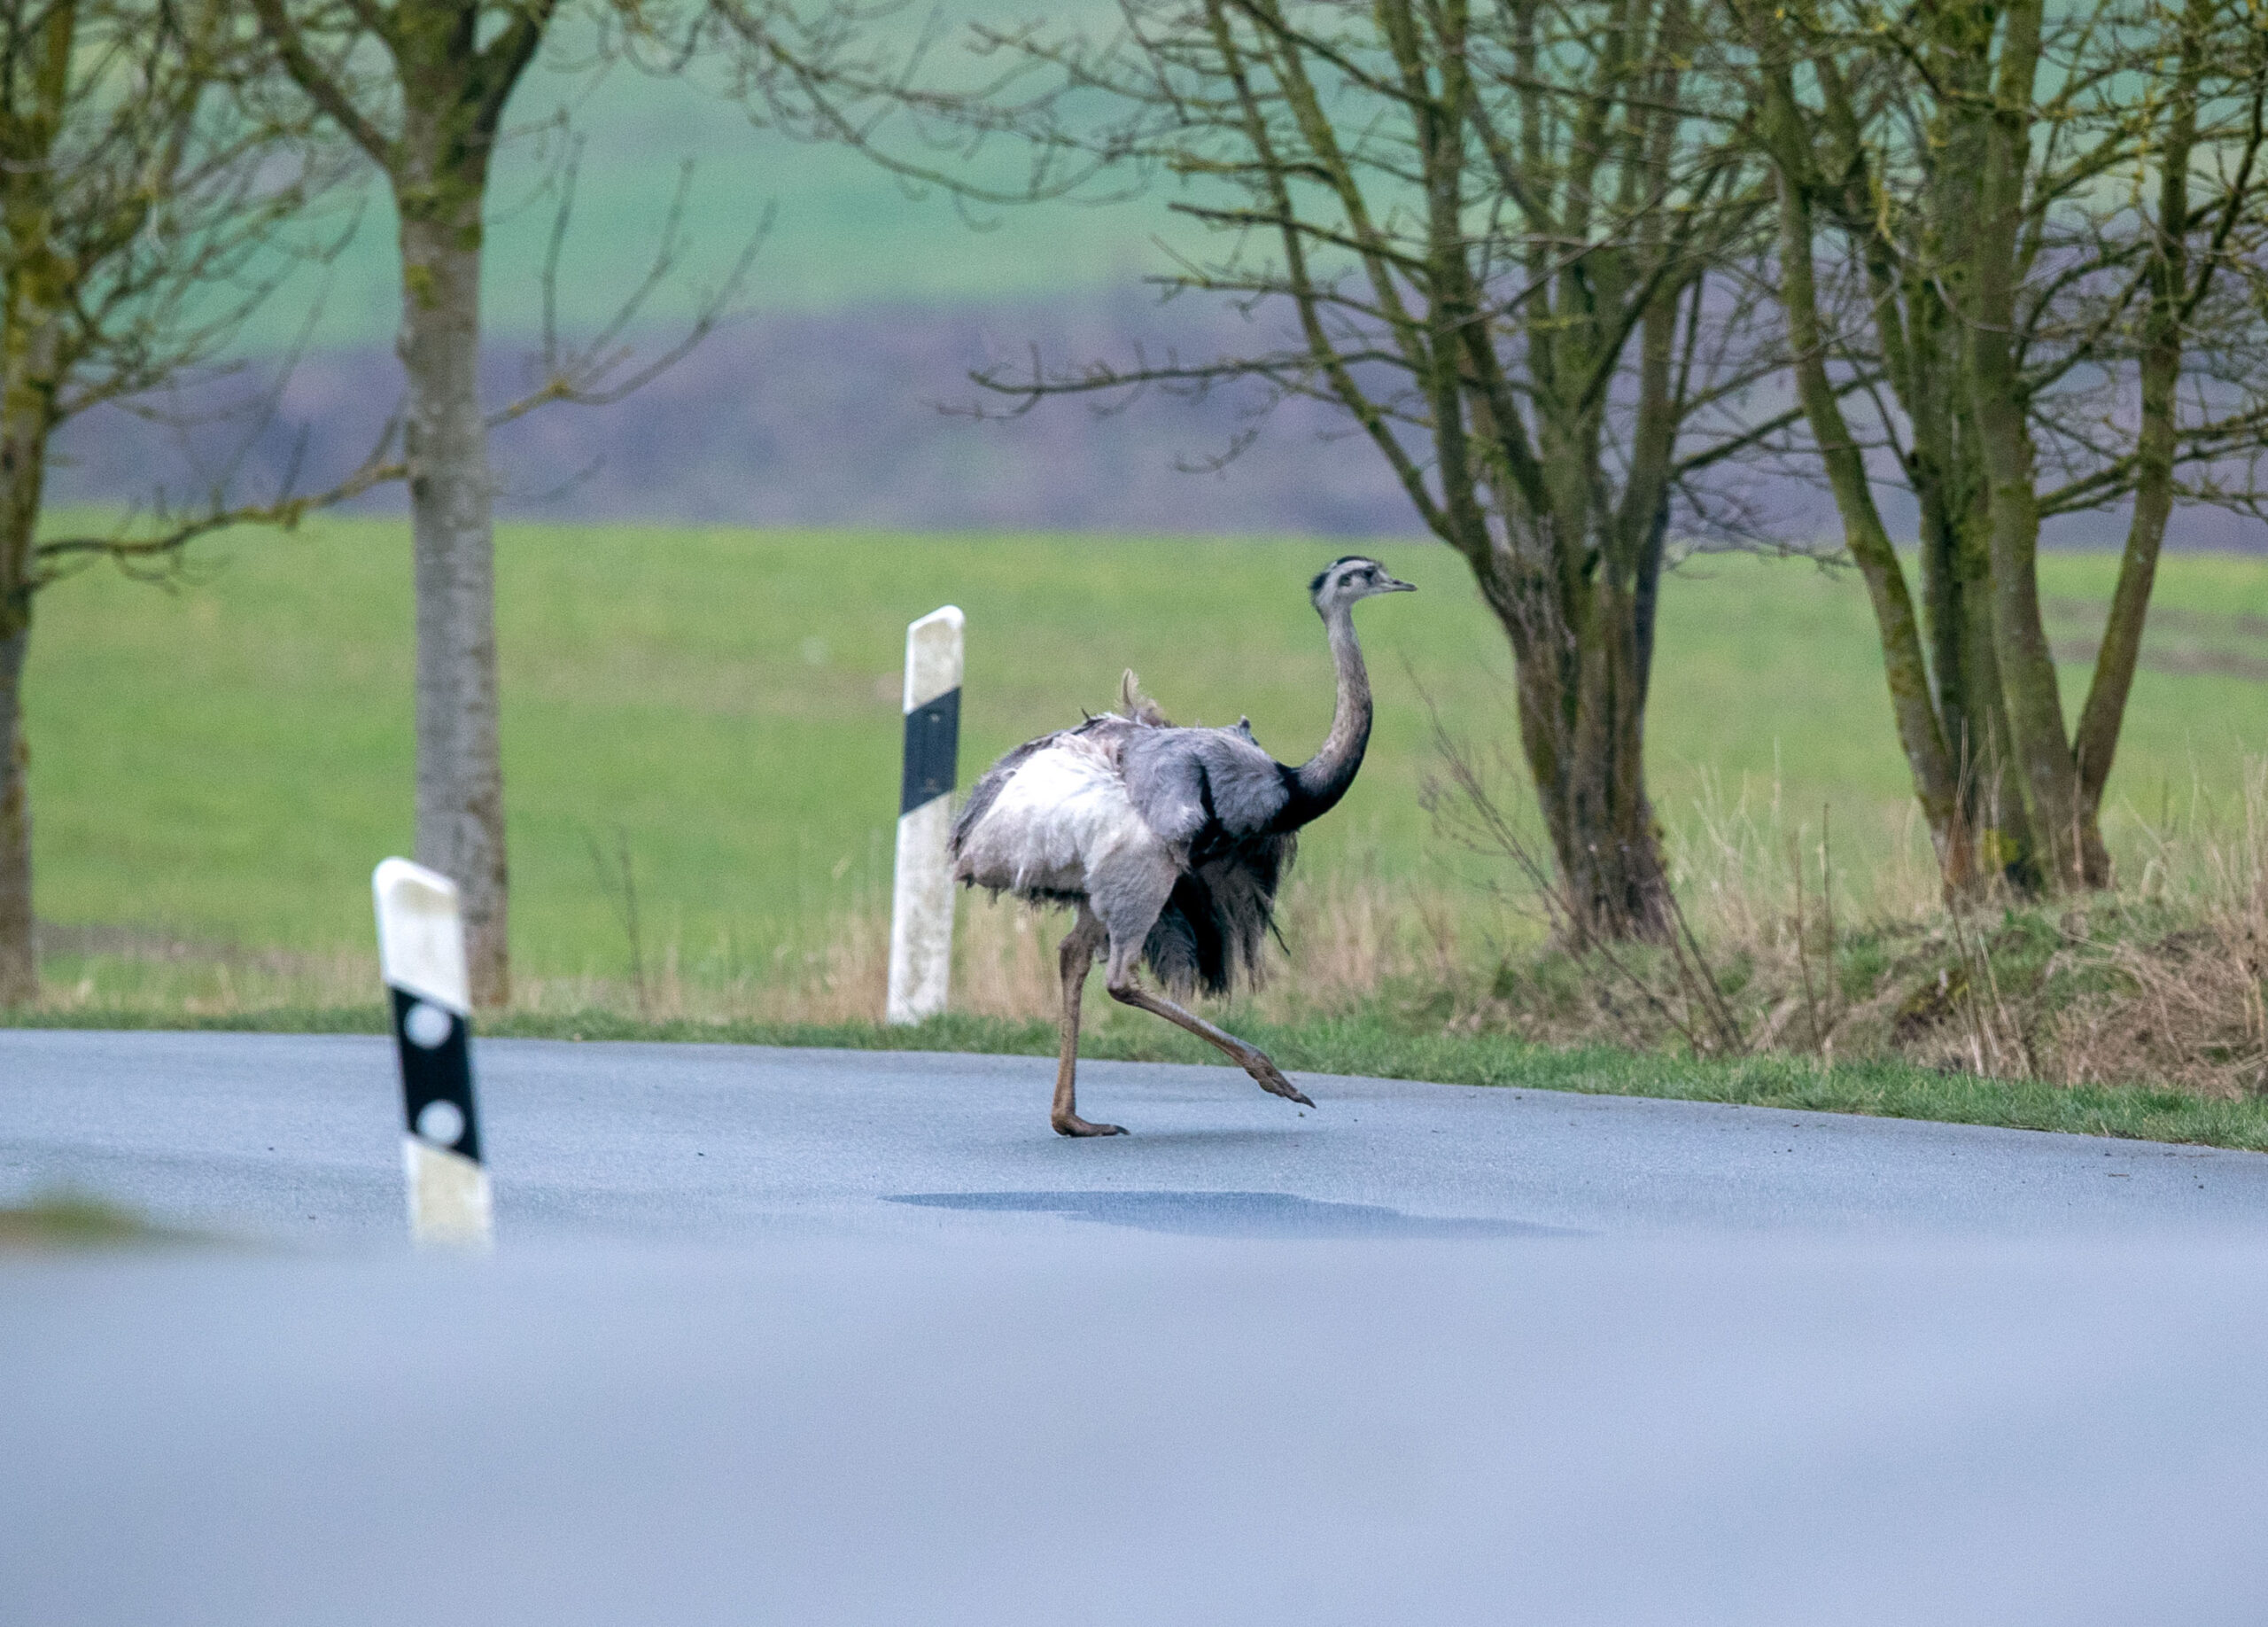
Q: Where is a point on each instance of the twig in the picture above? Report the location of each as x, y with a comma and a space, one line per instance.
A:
624, 888
1701, 981
1803, 956
1827, 909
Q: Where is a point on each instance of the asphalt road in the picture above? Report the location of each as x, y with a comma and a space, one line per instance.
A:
818, 1337
283, 1138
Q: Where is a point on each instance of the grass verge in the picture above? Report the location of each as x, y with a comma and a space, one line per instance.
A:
67, 1221
1373, 1046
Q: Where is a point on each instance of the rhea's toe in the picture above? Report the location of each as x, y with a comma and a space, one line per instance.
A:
1074, 1126
1270, 1078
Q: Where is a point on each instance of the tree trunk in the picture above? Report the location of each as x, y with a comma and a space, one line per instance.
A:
1987, 305
452, 86
2095, 743
19, 930
1996, 810
1942, 606
1582, 711
2028, 677
1965, 663
1617, 874
36, 287
1929, 755
460, 771
1949, 482
23, 462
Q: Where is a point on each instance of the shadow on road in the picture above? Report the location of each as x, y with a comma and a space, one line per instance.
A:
1232, 1214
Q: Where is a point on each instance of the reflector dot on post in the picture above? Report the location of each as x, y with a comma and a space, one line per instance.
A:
426, 1024
441, 1123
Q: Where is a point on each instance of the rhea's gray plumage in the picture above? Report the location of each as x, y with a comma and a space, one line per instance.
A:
1212, 799
1171, 842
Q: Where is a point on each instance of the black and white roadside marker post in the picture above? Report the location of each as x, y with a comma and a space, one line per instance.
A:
921, 901
421, 954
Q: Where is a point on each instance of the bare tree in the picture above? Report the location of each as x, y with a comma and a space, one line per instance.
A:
420, 87
142, 221
2043, 231
1486, 236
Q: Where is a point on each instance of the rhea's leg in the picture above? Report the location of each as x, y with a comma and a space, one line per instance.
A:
1251, 1058
1078, 957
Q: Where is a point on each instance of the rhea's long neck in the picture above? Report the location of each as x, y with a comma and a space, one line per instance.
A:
1324, 778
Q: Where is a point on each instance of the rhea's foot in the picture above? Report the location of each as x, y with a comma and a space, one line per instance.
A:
1270, 1078
1071, 1124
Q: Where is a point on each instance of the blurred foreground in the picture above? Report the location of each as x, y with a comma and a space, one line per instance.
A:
823, 1338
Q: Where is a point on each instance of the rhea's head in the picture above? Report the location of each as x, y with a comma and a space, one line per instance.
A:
1343, 581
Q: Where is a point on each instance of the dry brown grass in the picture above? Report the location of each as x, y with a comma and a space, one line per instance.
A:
2184, 997
1840, 945
1350, 937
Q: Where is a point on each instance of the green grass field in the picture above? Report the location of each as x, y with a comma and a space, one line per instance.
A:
223, 764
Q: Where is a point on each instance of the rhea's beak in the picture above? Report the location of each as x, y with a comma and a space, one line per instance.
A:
1394, 585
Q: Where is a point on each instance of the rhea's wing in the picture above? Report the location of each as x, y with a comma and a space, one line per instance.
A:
1249, 787
1202, 788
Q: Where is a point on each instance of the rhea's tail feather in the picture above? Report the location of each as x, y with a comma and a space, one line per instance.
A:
1136, 707
1213, 932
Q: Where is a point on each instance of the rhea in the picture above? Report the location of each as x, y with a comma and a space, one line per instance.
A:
1170, 843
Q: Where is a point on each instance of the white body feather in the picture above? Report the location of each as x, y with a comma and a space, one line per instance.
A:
1063, 824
